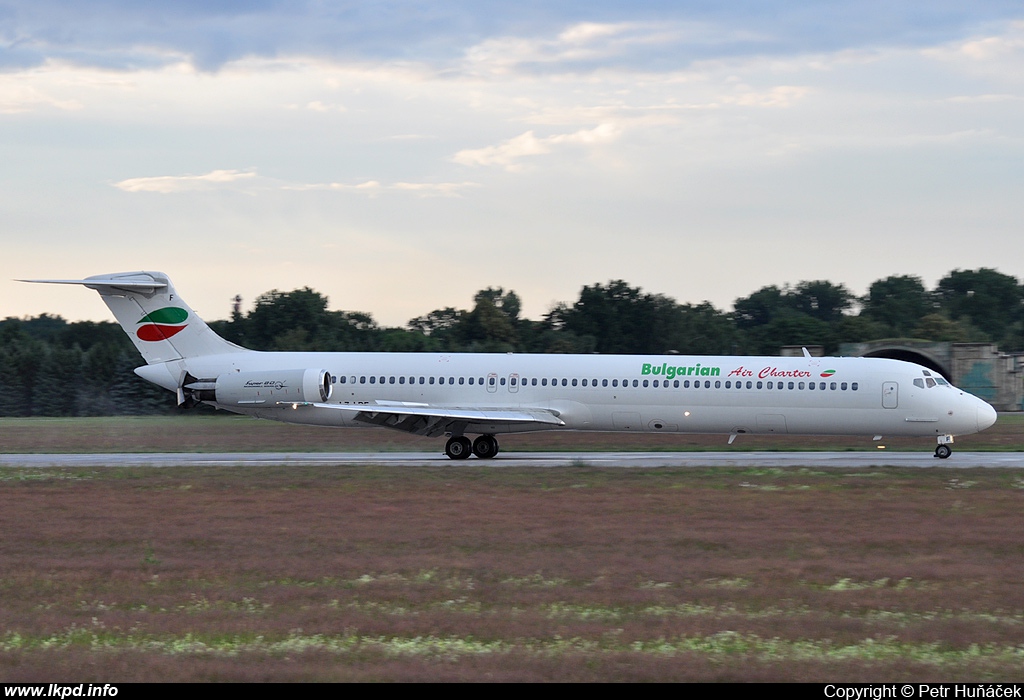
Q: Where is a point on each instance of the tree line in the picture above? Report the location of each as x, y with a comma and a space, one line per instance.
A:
50, 367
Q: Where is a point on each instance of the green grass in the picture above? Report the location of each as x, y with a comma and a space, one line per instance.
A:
575, 574
228, 433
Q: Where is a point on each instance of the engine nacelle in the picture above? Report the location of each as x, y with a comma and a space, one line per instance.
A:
269, 388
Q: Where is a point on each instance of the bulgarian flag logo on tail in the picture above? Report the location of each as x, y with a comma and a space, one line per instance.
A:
162, 324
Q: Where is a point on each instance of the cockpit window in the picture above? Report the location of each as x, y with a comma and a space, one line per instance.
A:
930, 382
942, 382
919, 383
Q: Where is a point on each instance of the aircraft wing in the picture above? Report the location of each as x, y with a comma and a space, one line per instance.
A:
425, 419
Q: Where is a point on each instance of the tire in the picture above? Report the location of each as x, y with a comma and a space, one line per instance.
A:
943, 451
458, 448
485, 447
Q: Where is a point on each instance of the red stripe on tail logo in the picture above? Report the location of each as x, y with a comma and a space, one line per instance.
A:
162, 324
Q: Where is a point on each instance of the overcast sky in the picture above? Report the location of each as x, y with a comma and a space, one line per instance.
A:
399, 156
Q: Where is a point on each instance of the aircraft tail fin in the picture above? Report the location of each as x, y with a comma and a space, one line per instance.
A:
160, 324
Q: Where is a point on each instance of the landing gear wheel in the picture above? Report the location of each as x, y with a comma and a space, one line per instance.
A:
485, 446
458, 448
943, 451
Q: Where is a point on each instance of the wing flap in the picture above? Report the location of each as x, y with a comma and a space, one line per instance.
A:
424, 419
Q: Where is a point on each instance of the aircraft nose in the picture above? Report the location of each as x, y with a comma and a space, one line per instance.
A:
986, 416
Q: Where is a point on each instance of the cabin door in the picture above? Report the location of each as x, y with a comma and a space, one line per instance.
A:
890, 395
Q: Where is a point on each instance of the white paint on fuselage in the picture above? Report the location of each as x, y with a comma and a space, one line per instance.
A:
940, 410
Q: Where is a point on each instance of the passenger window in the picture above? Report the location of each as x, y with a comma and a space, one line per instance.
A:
362, 380
750, 384
565, 382
462, 380
533, 381
675, 383
615, 382
759, 385
821, 385
686, 383
800, 386
832, 386
718, 385
728, 385
635, 383
853, 386
791, 385
401, 380
431, 380
810, 386
502, 381
843, 386
373, 380
544, 382
655, 383
472, 380
512, 381
584, 382
451, 380
604, 382
491, 381
421, 380
574, 382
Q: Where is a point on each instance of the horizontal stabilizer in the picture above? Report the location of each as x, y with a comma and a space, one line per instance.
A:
97, 283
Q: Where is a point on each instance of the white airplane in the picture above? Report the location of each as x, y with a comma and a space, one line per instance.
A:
461, 394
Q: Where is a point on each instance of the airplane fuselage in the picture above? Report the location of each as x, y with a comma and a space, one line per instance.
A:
458, 394
664, 393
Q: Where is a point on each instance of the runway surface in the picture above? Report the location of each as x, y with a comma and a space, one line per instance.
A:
924, 458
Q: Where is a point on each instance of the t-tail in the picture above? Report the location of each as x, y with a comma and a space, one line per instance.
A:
163, 327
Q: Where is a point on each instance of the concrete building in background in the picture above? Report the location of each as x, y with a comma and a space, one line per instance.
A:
979, 368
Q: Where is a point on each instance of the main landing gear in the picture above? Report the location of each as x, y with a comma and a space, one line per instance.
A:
943, 450
459, 447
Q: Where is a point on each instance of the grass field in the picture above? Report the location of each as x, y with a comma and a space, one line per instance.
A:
227, 433
470, 573
467, 573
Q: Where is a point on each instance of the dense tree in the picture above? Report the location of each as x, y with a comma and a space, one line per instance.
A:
990, 300
51, 367
822, 300
899, 302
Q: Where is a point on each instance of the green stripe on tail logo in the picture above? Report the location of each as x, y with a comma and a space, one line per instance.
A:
168, 314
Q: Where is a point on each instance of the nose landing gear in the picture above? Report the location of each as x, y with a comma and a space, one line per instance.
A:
943, 450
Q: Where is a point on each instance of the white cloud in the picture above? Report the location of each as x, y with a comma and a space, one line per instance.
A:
249, 181
22, 93
508, 153
167, 184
